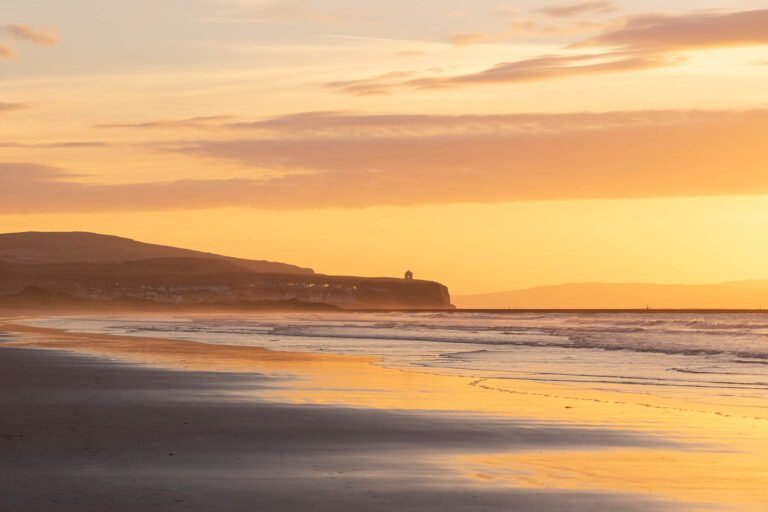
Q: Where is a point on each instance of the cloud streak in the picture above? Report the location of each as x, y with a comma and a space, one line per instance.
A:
665, 33
32, 35
530, 26
201, 122
549, 67
578, 8
639, 43
55, 145
6, 52
275, 11
6, 106
436, 160
339, 124
28, 188
378, 85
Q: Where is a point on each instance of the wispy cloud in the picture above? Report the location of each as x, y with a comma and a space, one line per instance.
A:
578, 8
666, 33
30, 188
337, 124
202, 122
6, 52
329, 125
639, 43
55, 145
522, 26
275, 10
471, 38
43, 37
548, 67
12, 106
375, 86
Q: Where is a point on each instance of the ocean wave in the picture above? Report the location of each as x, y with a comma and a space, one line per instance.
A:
615, 349
631, 339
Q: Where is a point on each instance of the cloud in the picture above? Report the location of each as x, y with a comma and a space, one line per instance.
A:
375, 86
548, 68
639, 43
202, 122
535, 69
437, 159
12, 106
528, 26
667, 33
28, 188
32, 35
6, 52
276, 10
55, 145
615, 155
578, 8
474, 38
337, 124
415, 160
330, 125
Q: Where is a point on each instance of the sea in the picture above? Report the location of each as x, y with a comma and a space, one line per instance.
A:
710, 357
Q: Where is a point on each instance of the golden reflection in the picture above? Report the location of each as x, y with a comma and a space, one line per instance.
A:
722, 459
734, 481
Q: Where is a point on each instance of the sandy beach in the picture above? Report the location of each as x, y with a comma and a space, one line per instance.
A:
383, 256
96, 422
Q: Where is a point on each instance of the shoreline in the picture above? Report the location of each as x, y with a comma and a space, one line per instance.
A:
615, 425
352, 371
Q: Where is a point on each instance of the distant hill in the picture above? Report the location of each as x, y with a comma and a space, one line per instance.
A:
80, 247
735, 295
89, 271
157, 266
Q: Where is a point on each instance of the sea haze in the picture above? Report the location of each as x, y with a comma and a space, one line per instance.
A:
702, 357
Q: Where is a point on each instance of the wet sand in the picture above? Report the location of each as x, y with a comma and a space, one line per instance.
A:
93, 422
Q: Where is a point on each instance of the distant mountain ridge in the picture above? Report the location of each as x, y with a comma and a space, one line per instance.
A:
732, 295
82, 247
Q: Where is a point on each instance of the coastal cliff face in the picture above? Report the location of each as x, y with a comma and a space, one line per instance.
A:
197, 280
151, 281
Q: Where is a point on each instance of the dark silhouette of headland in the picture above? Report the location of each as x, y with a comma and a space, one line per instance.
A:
92, 271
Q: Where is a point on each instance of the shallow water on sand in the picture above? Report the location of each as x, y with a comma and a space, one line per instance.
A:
693, 387
711, 358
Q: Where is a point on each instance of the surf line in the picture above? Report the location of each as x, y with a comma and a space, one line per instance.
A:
480, 383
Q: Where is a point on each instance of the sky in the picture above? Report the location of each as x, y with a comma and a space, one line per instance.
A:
487, 144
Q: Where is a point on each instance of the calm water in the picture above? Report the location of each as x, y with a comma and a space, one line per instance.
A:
707, 357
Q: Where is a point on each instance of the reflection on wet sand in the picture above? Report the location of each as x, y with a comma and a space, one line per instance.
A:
694, 456
737, 481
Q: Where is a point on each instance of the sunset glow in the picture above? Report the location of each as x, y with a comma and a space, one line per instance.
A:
489, 147
384, 255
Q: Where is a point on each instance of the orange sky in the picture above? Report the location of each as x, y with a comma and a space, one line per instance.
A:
484, 144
